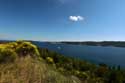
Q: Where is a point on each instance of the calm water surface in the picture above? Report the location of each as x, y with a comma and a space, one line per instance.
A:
95, 54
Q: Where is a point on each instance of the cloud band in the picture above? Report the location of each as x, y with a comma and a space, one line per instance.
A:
76, 18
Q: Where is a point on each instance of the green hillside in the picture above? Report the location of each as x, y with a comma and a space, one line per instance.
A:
23, 62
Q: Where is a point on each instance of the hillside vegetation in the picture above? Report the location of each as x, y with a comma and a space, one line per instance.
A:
23, 62
20, 62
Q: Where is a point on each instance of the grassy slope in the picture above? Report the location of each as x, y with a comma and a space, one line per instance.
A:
28, 70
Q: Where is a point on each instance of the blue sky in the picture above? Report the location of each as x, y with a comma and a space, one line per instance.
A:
67, 20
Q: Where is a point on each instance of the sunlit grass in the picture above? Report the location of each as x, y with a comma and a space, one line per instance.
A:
29, 70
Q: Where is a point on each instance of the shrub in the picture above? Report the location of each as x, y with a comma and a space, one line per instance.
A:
12, 45
9, 51
7, 55
27, 48
49, 60
83, 75
101, 71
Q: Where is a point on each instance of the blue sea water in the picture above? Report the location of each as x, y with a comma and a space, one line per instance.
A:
95, 54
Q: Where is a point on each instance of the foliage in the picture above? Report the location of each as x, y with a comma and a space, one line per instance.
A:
101, 70
26, 48
21, 48
49, 60
87, 72
7, 55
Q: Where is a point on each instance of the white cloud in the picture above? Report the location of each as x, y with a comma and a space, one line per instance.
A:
76, 18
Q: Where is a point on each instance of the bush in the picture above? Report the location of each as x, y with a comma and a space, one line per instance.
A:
82, 75
27, 48
7, 55
9, 51
49, 60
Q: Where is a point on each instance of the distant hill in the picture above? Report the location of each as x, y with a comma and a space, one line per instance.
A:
103, 43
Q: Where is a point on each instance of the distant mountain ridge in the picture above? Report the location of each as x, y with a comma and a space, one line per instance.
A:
96, 43
91, 43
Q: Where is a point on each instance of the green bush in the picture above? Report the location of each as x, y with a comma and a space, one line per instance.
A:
27, 48
9, 51
7, 55
82, 75
49, 60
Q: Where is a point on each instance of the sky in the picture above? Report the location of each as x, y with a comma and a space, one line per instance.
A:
62, 20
